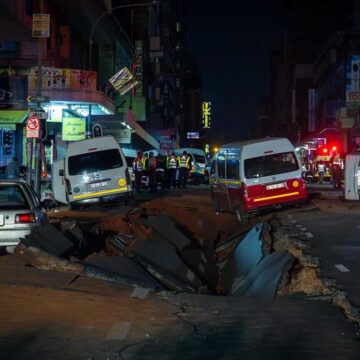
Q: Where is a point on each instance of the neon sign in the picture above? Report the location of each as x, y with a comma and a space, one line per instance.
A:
206, 114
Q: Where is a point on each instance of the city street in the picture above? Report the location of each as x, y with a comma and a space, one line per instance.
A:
54, 309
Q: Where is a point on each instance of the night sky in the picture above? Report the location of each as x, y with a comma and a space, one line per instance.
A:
231, 41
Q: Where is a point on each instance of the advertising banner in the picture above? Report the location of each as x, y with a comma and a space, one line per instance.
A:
60, 78
73, 129
82, 79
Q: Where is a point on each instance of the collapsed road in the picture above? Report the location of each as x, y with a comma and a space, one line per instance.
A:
170, 279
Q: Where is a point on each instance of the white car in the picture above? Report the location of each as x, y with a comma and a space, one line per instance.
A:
20, 211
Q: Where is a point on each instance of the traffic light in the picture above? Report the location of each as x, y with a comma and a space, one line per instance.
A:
97, 130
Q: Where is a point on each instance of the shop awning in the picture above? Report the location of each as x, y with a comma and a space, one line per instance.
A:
12, 116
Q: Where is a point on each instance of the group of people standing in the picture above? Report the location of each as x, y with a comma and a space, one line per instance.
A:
161, 170
320, 171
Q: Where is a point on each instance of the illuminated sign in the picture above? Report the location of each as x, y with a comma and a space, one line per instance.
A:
193, 135
206, 114
73, 129
138, 68
207, 149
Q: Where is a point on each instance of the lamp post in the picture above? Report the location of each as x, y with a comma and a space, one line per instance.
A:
109, 12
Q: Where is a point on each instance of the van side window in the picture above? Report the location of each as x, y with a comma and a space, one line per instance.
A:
232, 168
220, 160
213, 167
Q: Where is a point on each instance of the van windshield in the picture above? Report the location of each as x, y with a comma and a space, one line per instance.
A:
199, 159
269, 165
96, 161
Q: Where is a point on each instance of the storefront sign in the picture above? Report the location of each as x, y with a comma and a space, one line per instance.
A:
73, 129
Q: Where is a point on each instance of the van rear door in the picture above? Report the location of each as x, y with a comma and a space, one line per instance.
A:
272, 179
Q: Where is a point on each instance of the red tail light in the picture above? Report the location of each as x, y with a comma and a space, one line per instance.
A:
244, 190
24, 218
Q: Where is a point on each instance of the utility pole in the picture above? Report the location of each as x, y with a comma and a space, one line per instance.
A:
41, 30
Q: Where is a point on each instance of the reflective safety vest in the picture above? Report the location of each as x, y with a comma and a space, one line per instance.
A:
145, 162
321, 167
137, 164
184, 161
172, 162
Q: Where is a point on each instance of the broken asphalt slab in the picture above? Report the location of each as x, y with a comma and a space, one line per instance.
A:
124, 266
244, 258
48, 238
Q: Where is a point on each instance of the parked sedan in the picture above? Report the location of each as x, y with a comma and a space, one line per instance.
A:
20, 211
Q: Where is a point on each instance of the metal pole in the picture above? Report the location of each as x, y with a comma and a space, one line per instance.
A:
38, 107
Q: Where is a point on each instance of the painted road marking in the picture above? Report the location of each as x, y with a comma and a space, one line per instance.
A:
293, 221
289, 216
309, 235
119, 331
342, 268
303, 228
140, 293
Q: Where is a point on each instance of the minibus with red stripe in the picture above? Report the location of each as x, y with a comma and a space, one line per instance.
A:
251, 176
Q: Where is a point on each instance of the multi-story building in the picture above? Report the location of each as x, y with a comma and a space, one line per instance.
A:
88, 42
307, 26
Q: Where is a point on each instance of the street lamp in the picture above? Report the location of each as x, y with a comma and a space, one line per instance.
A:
108, 12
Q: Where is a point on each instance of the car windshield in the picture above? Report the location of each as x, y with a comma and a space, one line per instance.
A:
12, 197
96, 161
269, 165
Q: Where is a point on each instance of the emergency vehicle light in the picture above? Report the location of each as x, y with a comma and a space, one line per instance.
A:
325, 150
334, 148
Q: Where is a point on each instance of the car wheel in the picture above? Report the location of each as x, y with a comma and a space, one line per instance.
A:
241, 215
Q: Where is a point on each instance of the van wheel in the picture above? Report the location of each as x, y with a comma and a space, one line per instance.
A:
241, 215
216, 205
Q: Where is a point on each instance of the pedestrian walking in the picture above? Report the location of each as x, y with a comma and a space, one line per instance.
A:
12, 169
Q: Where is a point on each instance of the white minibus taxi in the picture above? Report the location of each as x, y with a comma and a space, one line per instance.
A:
255, 175
93, 171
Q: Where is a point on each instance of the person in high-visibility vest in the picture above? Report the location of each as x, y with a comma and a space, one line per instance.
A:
137, 166
171, 166
184, 162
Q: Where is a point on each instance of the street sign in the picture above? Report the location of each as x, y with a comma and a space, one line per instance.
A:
33, 127
38, 99
42, 115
